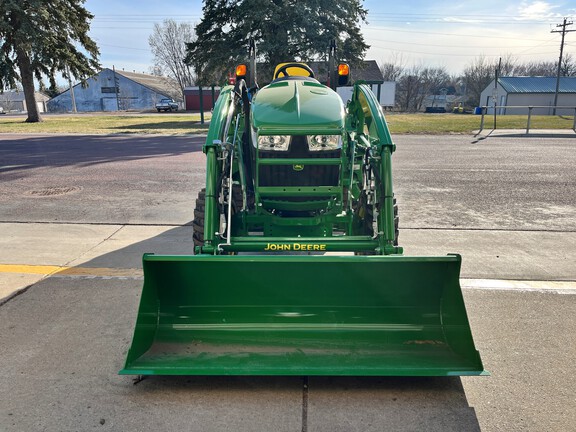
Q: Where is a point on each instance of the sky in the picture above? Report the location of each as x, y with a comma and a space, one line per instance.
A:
444, 33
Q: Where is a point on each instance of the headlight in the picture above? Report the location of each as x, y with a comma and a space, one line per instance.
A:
274, 142
324, 142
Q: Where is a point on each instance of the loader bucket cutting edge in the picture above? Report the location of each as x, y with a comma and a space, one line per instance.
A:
302, 315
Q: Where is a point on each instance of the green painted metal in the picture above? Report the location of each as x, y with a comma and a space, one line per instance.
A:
380, 147
297, 108
325, 244
302, 315
288, 309
213, 165
298, 190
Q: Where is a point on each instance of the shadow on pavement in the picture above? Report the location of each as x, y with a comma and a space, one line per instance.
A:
391, 403
521, 133
22, 152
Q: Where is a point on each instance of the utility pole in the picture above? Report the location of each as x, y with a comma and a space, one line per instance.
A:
563, 31
495, 91
116, 88
72, 96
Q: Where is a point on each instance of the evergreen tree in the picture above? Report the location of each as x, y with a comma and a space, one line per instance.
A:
44, 37
284, 30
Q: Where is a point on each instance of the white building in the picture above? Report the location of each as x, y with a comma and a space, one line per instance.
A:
14, 101
530, 91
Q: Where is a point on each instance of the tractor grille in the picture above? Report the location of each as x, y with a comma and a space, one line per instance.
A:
307, 175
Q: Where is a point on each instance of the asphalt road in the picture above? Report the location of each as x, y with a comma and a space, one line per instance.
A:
94, 204
440, 181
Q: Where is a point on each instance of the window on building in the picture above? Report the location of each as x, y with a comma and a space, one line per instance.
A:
109, 89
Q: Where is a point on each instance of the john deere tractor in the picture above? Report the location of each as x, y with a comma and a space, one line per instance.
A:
297, 268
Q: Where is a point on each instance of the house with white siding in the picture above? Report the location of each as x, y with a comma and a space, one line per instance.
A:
14, 101
530, 91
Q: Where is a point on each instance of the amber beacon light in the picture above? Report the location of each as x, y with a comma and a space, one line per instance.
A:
241, 71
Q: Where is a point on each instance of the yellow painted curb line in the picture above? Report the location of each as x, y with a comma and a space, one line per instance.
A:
30, 269
483, 284
48, 270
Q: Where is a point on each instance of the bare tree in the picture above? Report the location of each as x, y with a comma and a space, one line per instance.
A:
393, 68
477, 75
168, 44
537, 68
568, 66
408, 88
417, 83
155, 70
508, 65
7, 101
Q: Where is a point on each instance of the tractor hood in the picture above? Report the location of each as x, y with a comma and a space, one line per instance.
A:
297, 107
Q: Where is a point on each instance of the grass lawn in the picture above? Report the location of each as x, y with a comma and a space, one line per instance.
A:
175, 124
466, 124
167, 124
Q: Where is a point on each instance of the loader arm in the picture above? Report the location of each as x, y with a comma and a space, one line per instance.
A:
369, 131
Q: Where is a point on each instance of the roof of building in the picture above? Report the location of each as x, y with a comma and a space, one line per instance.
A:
537, 84
18, 96
163, 85
369, 71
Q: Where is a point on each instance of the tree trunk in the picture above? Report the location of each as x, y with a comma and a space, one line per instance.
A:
27, 78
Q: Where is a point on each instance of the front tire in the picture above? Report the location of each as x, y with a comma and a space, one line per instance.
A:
198, 221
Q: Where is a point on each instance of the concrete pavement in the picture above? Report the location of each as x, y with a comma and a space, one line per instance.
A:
33, 251
59, 368
70, 275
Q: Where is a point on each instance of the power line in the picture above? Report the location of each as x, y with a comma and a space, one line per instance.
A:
469, 19
123, 47
399, 30
456, 46
451, 54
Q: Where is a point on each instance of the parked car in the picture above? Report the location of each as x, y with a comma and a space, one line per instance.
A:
2, 110
436, 110
167, 105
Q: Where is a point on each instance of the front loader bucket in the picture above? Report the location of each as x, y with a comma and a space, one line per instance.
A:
302, 315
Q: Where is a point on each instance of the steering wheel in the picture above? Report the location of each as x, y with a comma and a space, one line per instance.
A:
284, 69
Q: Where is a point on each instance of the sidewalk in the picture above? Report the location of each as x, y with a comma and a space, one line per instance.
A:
65, 338
30, 252
532, 133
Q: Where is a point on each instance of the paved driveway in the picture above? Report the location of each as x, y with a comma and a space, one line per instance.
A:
77, 212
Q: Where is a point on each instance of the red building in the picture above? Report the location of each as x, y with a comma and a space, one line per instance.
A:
192, 98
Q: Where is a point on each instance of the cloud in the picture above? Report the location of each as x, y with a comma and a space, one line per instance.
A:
536, 11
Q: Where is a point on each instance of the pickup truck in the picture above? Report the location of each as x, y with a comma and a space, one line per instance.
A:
166, 105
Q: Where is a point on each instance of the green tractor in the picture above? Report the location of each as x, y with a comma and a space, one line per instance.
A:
297, 268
